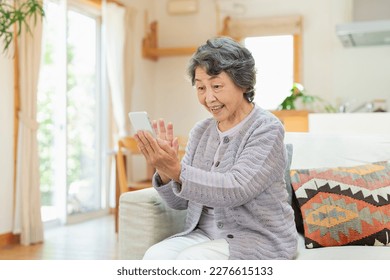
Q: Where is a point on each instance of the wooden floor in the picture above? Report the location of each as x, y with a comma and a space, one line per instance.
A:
91, 240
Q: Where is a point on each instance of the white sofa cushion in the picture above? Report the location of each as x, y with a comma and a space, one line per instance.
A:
342, 252
144, 220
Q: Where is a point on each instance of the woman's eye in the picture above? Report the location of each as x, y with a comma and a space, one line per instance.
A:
200, 88
217, 87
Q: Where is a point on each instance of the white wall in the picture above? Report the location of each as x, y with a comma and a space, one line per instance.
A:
362, 74
175, 99
6, 143
142, 85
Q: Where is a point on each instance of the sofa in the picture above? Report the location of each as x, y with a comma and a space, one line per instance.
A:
339, 188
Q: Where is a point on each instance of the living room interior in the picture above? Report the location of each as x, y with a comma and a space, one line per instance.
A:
133, 56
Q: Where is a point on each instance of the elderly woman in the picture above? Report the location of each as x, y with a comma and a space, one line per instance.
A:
231, 179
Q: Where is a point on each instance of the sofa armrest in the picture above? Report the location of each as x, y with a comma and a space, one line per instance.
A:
144, 220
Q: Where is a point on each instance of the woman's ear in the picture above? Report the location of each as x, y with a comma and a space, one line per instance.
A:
249, 94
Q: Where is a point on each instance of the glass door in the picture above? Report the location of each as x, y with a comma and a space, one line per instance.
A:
69, 113
83, 164
51, 114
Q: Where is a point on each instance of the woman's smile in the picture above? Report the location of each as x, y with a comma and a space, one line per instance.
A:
216, 109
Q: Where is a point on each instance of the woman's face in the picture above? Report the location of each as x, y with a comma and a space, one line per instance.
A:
222, 98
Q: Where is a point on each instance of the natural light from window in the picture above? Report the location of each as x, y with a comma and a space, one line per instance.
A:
68, 113
274, 56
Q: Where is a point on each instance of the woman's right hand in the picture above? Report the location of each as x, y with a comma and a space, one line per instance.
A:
165, 133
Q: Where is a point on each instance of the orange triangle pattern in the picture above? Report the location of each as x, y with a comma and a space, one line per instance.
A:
344, 206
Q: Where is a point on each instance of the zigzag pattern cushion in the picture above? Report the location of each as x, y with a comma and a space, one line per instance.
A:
345, 205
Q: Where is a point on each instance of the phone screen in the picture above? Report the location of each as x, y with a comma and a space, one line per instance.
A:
141, 121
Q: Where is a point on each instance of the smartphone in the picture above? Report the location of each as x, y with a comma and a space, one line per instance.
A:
141, 121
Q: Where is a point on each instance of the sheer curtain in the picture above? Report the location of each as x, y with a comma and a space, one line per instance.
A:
119, 43
27, 220
114, 18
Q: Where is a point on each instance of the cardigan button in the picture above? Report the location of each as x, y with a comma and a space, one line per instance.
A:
226, 140
230, 236
217, 164
219, 225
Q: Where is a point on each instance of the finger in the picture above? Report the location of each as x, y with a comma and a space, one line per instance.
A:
146, 154
155, 127
150, 142
140, 141
162, 129
170, 132
141, 146
175, 144
144, 143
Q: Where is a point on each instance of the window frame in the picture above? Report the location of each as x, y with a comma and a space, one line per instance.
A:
239, 29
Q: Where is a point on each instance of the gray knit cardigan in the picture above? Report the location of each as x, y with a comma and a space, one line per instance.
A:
246, 188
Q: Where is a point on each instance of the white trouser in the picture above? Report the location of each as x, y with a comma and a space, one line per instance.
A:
194, 246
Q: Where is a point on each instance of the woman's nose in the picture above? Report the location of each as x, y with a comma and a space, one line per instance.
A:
210, 95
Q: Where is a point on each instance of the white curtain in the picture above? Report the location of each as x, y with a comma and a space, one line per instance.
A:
28, 220
114, 18
119, 38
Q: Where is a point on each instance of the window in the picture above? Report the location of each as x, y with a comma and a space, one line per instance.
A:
274, 57
275, 43
69, 106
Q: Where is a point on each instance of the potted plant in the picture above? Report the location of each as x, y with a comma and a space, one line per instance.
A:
299, 98
17, 12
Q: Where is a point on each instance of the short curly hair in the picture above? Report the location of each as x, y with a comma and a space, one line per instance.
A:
224, 54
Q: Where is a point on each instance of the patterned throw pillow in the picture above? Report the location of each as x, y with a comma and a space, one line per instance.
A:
345, 205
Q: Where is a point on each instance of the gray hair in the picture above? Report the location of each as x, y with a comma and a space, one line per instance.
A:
224, 54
